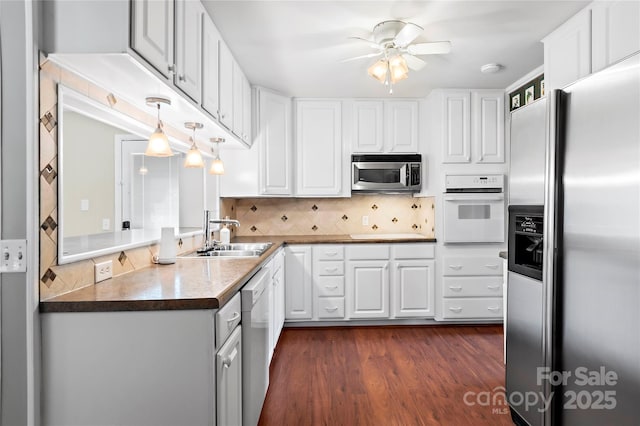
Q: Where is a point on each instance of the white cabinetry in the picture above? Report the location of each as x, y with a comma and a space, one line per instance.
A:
237, 100
229, 380
225, 69
298, 283
456, 132
246, 112
385, 126
473, 126
567, 52
152, 33
368, 126
401, 126
210, 40
319, 148
615, 31
413, 289
276, 310
368, 289
188, 41
328, 281
472, 287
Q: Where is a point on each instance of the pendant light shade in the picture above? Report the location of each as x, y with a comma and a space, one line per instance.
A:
158, 145
217, 166
194, 157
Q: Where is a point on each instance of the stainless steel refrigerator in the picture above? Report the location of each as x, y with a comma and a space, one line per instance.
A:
573, 320
594, 327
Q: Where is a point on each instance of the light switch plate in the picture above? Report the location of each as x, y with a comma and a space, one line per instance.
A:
14, 256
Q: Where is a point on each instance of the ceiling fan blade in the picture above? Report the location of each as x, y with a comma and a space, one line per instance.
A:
370, 55
371, 43
438, 47
414, 62
407, 34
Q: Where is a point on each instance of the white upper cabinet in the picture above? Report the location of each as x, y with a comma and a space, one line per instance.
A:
275, 144
210, 40
456, 133
225, 67
152, 33
319, 148
368, 126
488, 126
188, 76
246, 111
401, 126
615, 31
567, 52
237, 99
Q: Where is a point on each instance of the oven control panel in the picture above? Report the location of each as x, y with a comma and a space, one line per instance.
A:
474, 183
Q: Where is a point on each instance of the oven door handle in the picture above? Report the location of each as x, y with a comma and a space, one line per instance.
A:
475, 197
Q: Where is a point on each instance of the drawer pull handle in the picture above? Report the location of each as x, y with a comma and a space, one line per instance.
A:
455, 309
455, 267
331, 287
493, 287
234, 318
331, 269
331, 253
226, 363
494, 308
455, 287
492, 266
333, 309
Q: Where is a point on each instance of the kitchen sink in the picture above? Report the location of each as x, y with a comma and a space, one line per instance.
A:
233, 250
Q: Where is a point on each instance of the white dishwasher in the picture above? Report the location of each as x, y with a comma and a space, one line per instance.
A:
255, 345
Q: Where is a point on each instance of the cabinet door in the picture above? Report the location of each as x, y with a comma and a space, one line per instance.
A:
368, 126
237, 99
246, 111
152, 33
298, 283
279, 296
274, 139
229, 380
616, 31
413, 288
189, 47
567, 52
368, 289
319, 148
455, 127
210, 40
401, 126
488, 126
225, 67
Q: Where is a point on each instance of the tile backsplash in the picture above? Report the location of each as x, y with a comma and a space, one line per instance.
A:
386, 214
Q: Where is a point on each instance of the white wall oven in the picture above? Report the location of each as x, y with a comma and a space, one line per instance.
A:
474, 209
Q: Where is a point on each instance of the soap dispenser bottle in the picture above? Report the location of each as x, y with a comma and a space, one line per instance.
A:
225, 235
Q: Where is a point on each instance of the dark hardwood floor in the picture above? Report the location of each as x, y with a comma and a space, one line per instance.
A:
387, 376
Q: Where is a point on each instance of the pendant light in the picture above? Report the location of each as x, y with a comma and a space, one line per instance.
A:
158, 145
194, 157
217, 167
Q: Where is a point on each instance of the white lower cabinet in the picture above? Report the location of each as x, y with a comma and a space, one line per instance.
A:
229, 380
472, 287
298, 283
276, 310
413, 289
331, 308
368, 289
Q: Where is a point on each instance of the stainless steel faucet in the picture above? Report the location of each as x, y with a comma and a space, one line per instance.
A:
208, 242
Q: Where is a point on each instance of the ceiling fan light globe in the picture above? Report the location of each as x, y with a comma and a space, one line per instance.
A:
378, 70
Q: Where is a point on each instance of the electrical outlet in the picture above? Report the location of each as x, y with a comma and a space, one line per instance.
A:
103, 270
106, 224
365, 220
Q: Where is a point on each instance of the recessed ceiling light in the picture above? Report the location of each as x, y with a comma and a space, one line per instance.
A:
490, 68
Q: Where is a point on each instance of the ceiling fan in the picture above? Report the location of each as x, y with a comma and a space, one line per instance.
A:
393, 41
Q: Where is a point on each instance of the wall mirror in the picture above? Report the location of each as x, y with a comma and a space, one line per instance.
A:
111, 196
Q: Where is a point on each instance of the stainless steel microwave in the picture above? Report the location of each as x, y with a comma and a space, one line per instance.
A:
390, 173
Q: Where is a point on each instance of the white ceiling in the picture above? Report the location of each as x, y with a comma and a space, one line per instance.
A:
295, 47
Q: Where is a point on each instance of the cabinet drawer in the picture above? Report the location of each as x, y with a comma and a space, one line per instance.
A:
331, 307
330, 286
472, 286
328, 268
481, 265
472, 308
328, 252
368, 252
413, 251
227, 318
